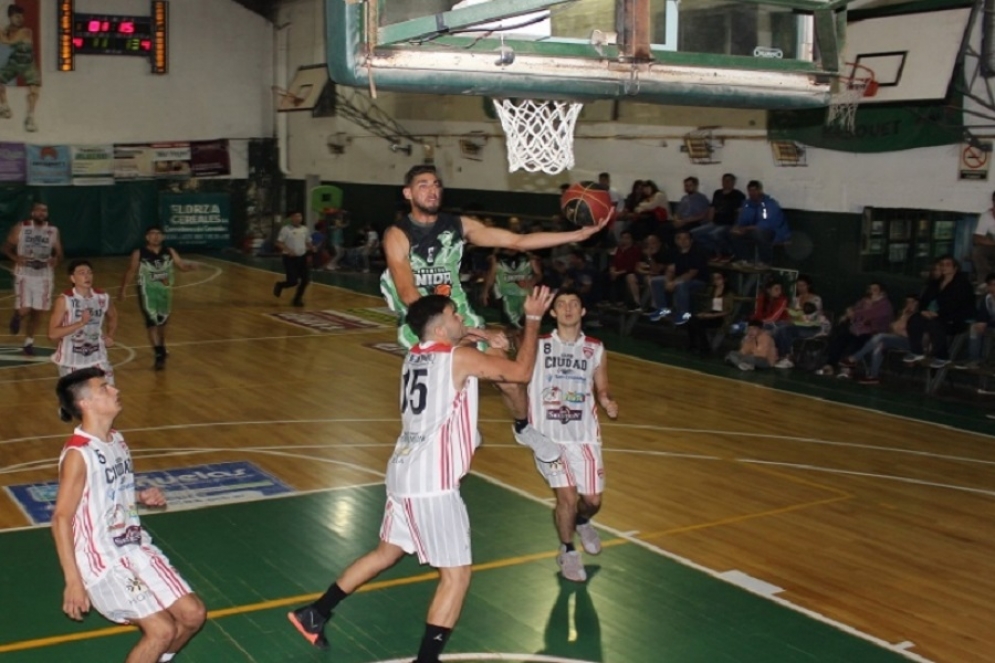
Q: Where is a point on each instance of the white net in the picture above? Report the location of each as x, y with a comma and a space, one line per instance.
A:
540, 134
844, 102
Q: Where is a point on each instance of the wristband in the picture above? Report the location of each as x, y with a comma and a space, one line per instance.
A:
534, 317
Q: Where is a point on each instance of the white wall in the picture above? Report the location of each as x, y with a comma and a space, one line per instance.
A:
218, 85
644, 144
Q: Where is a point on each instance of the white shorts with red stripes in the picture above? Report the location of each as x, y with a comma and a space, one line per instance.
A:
136, 586
436, 528
580, 467
34, 292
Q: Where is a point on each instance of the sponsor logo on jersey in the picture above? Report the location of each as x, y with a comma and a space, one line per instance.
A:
588, 351
551, 395
132, 536
564, 415
433, 277
565, 361
120, 468
575, 397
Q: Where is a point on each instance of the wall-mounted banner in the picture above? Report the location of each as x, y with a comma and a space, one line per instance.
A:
93, 165
209, 158
49, 165
133, 162
13, 162
171, 160
196, 220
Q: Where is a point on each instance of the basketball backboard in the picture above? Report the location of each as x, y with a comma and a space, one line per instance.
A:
737, 54
907, 65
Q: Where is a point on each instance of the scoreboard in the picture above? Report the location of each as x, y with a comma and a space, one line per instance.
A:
110, 34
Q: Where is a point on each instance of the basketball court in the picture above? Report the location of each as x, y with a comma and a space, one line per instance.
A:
742, 522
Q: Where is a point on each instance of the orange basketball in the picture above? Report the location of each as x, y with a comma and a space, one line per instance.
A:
586, 203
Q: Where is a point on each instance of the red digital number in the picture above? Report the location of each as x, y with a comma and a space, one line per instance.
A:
93, 26
126, 27
78, 42
146, 45
105, 26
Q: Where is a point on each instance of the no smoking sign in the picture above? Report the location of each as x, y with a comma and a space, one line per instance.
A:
975, 161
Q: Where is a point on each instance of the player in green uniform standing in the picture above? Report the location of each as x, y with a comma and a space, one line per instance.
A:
423, 252
154, 265
511, 278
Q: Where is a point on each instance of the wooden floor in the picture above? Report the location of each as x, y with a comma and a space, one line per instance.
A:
881, 523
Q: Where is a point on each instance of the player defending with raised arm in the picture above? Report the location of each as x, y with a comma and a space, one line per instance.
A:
77, 324
107, 558
423, 253
569, 381
425, 514
154, 264
36, 249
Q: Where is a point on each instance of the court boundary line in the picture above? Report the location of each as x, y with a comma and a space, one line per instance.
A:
621, 538
850, 630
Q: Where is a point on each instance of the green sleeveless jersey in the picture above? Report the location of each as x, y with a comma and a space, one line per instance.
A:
435, 256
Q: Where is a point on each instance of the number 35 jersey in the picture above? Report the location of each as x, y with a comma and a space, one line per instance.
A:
561, 399
439, 425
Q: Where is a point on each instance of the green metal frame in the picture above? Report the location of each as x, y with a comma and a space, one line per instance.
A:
353, 62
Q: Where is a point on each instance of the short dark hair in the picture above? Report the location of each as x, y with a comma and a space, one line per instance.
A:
564, 292
422, 312
755, 184
755, 322
807, 279
600, 175
14, 9
79, 262
70, 390
692, 179
725, 175
683, 230
154, 228
419, 169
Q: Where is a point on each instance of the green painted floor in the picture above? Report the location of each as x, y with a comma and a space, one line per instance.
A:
637, 607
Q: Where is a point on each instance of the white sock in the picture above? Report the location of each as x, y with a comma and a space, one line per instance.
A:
29, 340
165, 658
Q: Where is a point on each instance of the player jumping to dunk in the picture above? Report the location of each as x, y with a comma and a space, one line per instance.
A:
425, 514
423, 253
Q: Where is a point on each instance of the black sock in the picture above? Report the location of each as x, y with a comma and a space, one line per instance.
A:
329, 600
520, 425
567, 547
160, 351
432, 643
581, 520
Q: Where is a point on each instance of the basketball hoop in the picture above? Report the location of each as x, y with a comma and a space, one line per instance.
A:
850, 90
540, 134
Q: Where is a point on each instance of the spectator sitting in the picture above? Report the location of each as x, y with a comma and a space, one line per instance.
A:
772, 305
651, 211
945, 308
693, 208
581, 278
869, 316
652, 263
982, 321
715, 313
686, 273
760, 225
897, 338
805, 320
624, 262
713, 235
757, 349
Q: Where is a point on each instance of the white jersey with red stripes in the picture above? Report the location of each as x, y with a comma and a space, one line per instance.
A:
86, 346
562, 405
36, 243
439, 425
106, 528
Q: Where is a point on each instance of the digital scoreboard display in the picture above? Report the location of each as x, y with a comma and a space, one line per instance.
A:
100, 34
112, 34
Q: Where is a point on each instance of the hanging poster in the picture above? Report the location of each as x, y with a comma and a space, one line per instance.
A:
209, 158
13, 166
196, 220
49, 165
171, 160
93, 165
133, 162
